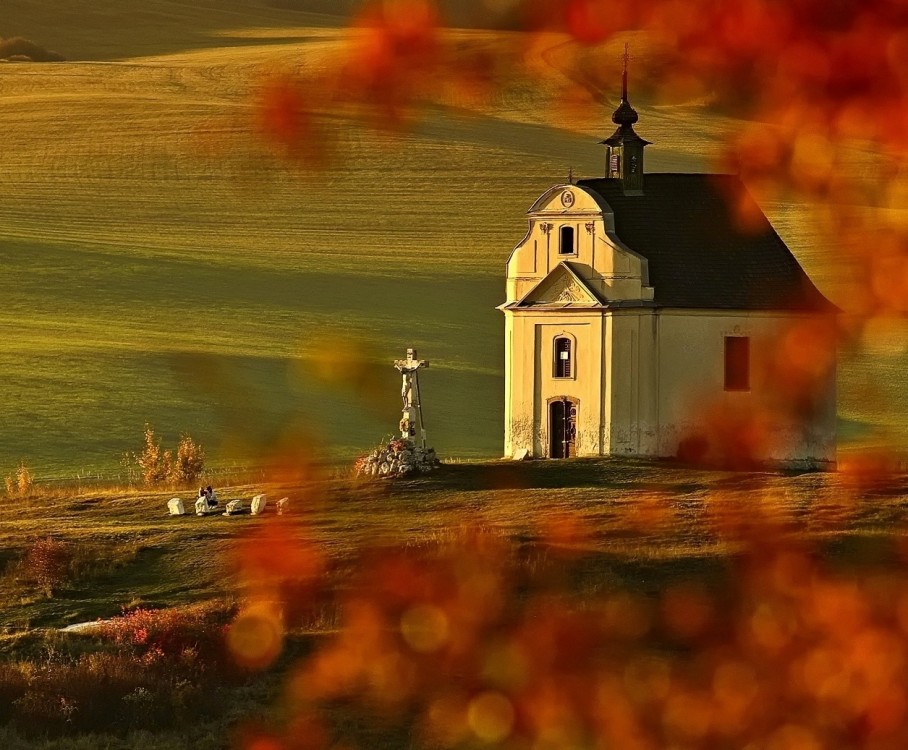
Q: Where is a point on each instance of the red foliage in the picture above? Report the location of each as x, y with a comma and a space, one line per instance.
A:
172, 633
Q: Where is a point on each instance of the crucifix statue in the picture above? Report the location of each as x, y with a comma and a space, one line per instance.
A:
412, 419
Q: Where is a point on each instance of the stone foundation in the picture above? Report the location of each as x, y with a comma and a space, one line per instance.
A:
399, 458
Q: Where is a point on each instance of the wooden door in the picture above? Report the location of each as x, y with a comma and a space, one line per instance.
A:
562, 428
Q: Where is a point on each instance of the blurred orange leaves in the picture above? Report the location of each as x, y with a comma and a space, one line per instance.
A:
285, 109
467, 644
463, 642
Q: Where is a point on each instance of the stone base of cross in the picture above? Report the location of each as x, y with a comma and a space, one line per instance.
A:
411, 423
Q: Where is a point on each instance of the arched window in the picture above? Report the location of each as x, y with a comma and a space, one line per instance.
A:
563, 357
567, 241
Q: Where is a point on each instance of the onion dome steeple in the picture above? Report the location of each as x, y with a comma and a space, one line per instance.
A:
624, 148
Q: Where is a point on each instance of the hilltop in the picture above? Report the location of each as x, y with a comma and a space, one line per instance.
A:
123, 29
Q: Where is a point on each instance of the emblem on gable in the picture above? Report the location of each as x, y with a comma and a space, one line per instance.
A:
571, 293
560, 287
567, 199
566, 290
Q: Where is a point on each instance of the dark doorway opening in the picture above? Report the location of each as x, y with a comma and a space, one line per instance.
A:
562, 428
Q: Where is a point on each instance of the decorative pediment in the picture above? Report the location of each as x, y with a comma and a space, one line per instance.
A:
562, 287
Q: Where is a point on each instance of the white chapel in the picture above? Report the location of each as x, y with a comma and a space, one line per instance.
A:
637, 303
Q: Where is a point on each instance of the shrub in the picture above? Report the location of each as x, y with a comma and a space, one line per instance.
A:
51, 565
189, 463
105, 691
153, 669
158, 466
48, 563
155, 463
189, 636
19, 48
13, 685
20, 483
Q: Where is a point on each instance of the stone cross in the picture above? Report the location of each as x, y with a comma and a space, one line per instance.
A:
412, 419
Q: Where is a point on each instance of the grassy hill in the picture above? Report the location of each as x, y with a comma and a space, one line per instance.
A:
570, 537
161, 265
121, 29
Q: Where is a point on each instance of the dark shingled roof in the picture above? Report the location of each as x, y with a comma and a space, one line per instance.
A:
699, 254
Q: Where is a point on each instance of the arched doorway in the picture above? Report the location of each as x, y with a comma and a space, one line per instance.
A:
562, 427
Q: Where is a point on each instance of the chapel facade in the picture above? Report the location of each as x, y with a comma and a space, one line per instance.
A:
639, 311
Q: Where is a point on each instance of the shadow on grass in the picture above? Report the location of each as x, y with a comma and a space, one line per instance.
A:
157, 577
602, 473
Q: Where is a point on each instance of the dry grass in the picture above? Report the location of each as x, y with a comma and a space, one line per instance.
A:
636, 513
597, 526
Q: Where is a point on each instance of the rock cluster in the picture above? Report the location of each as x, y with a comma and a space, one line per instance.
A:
399, 458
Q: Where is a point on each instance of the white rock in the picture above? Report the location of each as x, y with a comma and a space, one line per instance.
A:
283, 505
258, 504
175, 506
234, 506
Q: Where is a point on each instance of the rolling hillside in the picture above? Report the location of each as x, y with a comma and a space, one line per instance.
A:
160, 265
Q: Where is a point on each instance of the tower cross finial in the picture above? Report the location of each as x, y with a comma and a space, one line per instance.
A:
626, 58
571, 175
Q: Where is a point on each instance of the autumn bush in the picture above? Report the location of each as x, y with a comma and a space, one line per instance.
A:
189, 463
173, 633
53, 565
20, 483
150, 669
474, 643
160, 466
48, 563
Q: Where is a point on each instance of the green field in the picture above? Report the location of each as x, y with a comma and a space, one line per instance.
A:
160, 265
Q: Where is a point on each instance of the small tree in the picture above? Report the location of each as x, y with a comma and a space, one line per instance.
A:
47, 563
20, 483
189, 463
159, 466
24, 480
156, 464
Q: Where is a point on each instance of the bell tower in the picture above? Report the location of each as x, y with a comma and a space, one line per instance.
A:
624, 148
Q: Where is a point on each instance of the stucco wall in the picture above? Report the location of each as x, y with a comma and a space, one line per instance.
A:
533, 383
690, 376
614, 272
646, 379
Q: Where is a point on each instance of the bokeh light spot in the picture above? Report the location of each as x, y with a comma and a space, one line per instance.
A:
424, 627
491, 717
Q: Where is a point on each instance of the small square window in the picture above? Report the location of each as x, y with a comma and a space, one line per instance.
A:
737, 363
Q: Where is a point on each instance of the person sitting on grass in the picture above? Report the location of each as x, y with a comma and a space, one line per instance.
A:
212, 498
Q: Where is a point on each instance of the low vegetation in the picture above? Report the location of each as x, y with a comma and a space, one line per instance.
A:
51, 565
159, 466
20, 484
145, 669
427, 612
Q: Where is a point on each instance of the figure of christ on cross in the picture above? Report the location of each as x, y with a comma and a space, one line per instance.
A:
412, 418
